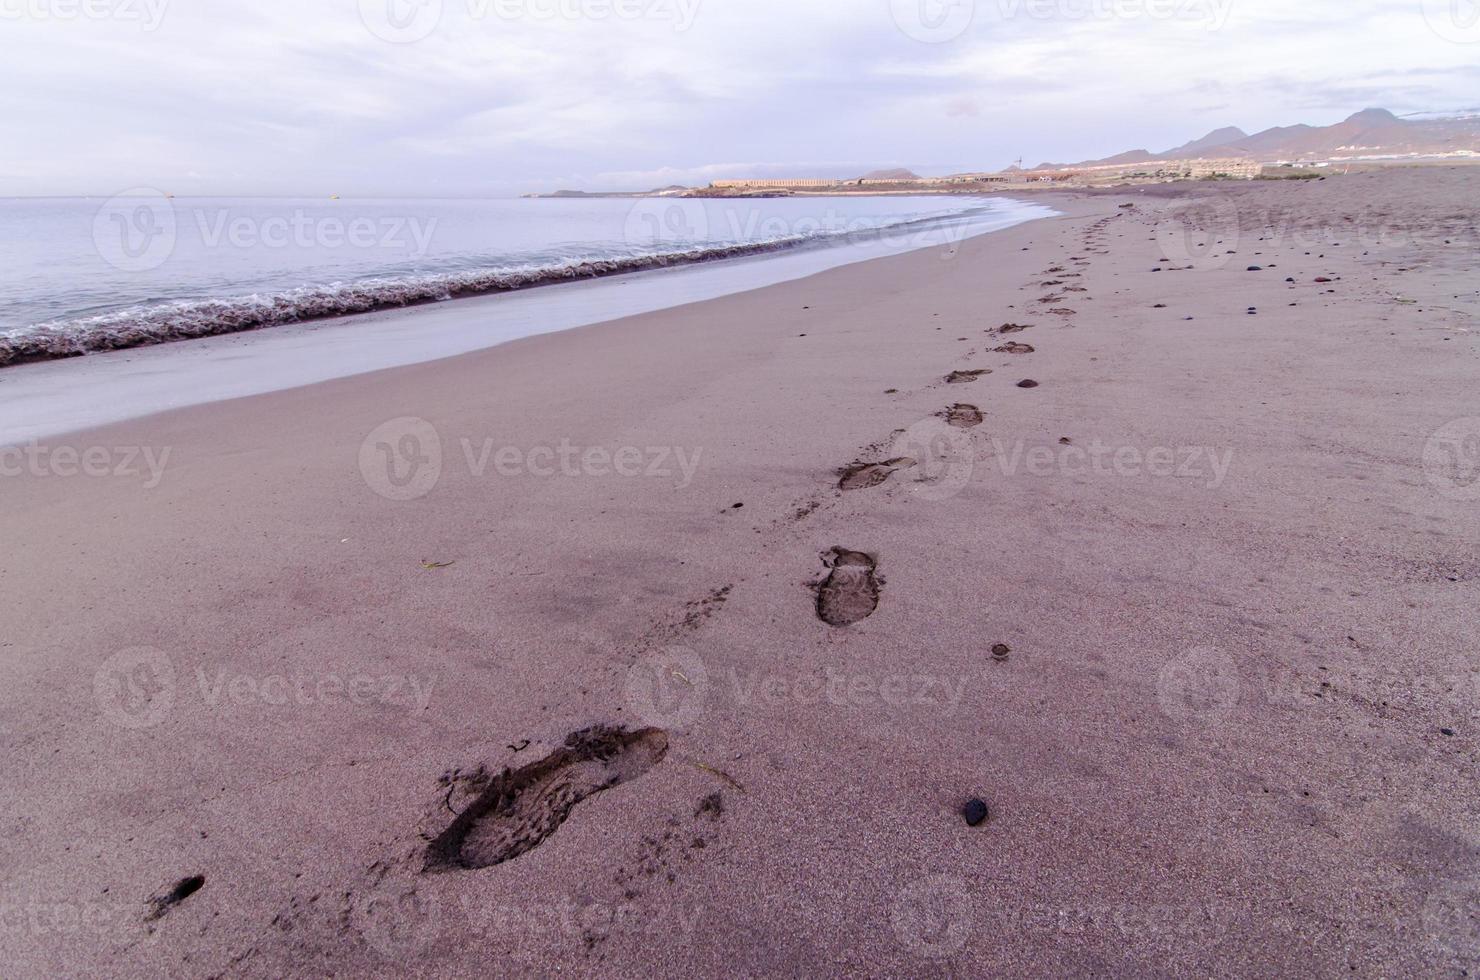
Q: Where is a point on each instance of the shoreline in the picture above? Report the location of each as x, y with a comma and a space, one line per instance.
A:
169, 322
825, 565
48, 397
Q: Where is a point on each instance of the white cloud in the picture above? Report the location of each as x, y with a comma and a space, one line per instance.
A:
286, 96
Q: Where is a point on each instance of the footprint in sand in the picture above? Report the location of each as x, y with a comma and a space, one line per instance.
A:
861, 476
966, 377
963, 416
850, 593
1013, 327
1014, 348
517, 810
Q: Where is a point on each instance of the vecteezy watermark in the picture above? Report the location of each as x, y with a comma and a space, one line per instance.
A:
139, 230
139, 687
148, 14
1451, 918
933, 21
581, 922
672, 687
939, 21
135, 231
724, 225
408, 21
403, 460
932, 918
1451, 460
941, 458
935, 918
404, 921
1204, 463
1204, 234
1212, 13
60, 462
1200, 686
401, 21
135, 688
1454, 20
321, 688
849, 690
399, 923
667, 688
56, 919
1208, 234
1456, 691
405, 234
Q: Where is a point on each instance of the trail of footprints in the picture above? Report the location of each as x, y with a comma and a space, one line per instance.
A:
499, 817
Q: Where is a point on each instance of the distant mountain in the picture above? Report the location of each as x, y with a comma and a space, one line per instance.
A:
1371, 132
1218, 137
898, 173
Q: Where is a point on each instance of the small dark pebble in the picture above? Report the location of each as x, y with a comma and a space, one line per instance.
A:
1255, 268
1000, 651
1449, 732
1027, 383
737, 506
975, 813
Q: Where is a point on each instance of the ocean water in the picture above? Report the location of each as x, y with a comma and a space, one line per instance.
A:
89, 275
69, 298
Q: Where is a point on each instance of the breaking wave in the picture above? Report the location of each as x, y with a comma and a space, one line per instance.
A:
156, 323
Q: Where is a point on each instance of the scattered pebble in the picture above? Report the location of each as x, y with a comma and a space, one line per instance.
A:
975, 812
1027, 383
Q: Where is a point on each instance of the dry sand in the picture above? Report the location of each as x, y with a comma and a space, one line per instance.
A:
1212, 737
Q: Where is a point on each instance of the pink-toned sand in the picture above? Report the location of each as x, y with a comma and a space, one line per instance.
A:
1240, 602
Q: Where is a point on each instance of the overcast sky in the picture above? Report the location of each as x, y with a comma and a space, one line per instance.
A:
495, 97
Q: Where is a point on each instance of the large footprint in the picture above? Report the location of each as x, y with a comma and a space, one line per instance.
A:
850, 593
861, 476
520, 808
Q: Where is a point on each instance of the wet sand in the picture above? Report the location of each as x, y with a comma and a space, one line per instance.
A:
574, 656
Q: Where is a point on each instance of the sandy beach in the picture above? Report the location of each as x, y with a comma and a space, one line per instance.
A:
575, 656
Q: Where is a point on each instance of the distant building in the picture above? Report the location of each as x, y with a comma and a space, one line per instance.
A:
783, 184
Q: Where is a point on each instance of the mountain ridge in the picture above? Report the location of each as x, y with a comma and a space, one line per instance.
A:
1370, 132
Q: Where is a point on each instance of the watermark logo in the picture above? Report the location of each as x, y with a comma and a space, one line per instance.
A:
1454, 20
933, 21
944, 458
932, 917
1204, 234
1213, 13
399, 925
1451, 460
148, 14
1201, 686
61, 462
667, 221
681, 13
135, 688
135, 231
406, 234
401, 21
1207, 465
402, 459
1451, 918
667, 688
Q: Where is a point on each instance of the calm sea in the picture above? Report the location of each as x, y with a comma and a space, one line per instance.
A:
86, 275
